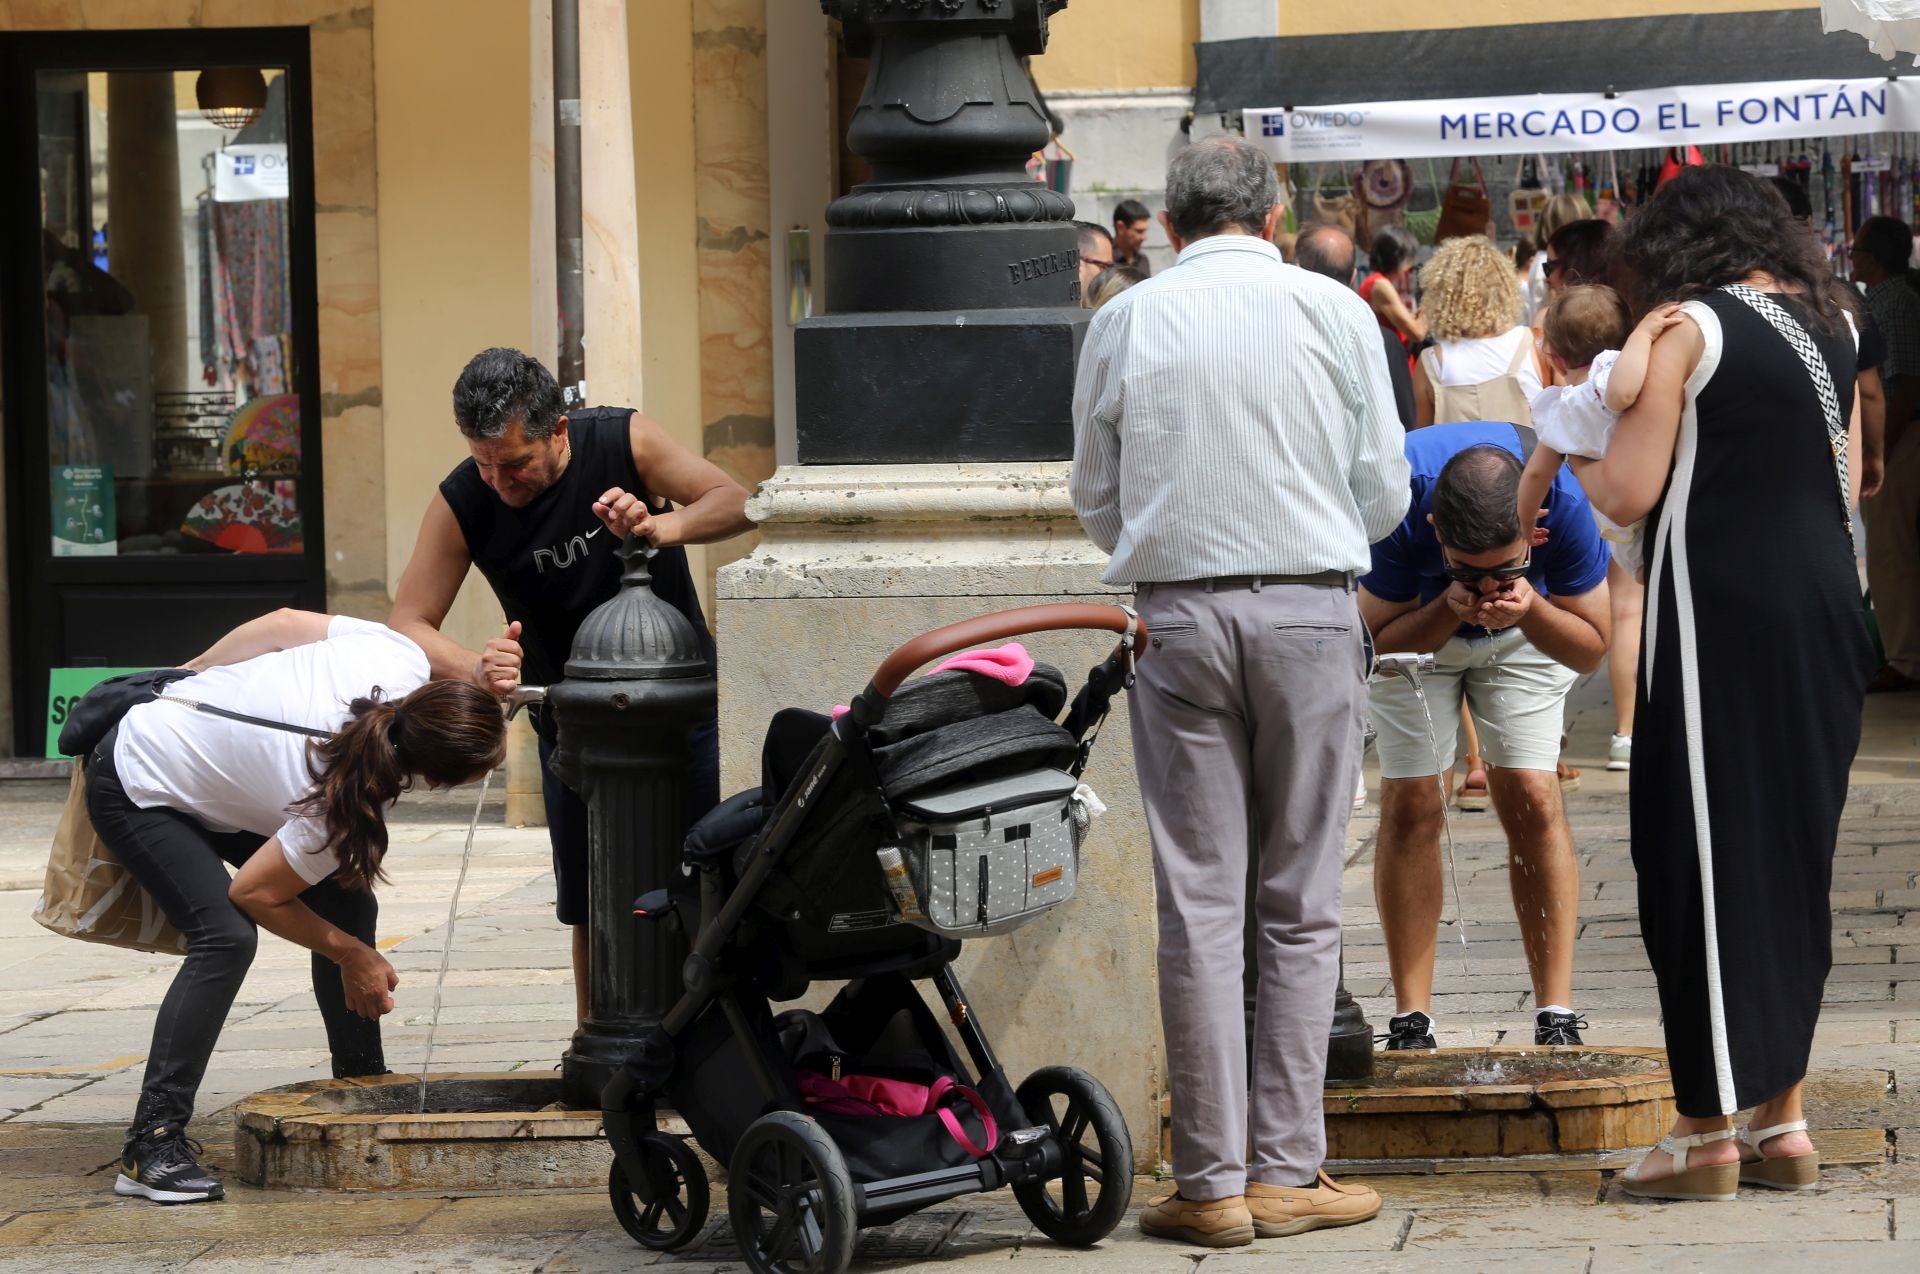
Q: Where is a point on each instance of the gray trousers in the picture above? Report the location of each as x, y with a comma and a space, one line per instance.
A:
1247, 719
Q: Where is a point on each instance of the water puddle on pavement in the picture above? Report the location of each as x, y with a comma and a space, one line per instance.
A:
446, 946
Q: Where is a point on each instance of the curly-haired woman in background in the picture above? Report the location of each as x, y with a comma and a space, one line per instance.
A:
1481, 365
345, 720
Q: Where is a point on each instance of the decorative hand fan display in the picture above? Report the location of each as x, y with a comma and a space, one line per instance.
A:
248, 517
264, 436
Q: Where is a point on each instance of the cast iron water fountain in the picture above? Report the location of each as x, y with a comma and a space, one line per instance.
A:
635, 684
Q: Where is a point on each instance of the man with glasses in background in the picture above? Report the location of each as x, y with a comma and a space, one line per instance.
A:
1096, 254
1511, 618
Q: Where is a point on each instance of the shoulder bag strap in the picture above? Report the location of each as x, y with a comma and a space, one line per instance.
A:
1528, 441
1816, 364
244, 719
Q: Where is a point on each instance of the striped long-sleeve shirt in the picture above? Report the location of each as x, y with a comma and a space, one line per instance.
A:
1233, 416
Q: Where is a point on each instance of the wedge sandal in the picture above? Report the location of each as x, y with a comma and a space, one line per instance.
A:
1709, 1183
1783, 1172
1473, 794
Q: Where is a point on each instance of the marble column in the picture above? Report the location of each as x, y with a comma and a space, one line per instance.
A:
733, 243
611, 247
145, 230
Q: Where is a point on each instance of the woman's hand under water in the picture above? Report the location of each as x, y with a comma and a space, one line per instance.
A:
369, 981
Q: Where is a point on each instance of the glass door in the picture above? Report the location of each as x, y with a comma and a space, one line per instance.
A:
162, 437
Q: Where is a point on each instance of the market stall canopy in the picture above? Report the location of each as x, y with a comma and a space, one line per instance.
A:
1542, 57
1567, 123
1891, 26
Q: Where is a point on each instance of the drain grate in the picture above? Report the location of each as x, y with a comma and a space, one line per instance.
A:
919, 1236
923, 1234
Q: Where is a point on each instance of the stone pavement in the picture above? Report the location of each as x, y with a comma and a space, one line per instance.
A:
75, 1019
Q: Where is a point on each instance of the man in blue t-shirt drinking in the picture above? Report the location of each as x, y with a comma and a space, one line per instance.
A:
1511, 622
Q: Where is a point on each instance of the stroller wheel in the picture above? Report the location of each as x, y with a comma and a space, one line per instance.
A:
790, 1198
1089, 1198
677, 1182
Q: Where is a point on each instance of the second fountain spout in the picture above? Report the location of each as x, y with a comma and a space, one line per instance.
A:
1404, 664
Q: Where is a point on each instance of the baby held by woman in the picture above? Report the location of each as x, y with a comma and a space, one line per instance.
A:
1600, 362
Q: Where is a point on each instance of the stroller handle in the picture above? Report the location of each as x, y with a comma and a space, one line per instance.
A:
1004, 623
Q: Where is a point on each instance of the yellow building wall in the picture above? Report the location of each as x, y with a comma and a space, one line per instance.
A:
454, 203
1121, 44
1420, 15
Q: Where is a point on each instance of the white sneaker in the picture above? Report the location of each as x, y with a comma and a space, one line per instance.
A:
1620, 753
1360, 792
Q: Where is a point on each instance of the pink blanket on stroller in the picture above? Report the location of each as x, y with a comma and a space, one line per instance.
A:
1009, 663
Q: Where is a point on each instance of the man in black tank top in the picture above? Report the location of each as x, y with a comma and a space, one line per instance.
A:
540, 506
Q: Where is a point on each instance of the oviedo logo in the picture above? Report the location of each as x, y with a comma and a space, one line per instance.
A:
1301, 121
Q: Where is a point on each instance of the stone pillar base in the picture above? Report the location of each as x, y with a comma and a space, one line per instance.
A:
854, 560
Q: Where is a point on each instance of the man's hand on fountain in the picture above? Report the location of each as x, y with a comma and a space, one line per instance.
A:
369, 981
626, 514
499, 668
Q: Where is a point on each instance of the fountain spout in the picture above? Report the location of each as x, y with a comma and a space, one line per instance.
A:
1404, 664
522, 696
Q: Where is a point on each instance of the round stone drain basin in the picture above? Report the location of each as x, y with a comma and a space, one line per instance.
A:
1485, 1103
479, 1132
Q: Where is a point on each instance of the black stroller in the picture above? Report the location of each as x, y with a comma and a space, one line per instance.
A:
877, 841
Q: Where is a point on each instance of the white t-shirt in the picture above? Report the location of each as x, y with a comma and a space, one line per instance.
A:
1574, 419
1486, 358
238, 777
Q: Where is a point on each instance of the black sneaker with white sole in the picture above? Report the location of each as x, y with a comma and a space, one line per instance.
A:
161, 1164
1407, 1031
1558, 1028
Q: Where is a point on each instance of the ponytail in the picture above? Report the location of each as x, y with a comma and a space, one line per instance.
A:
446, 732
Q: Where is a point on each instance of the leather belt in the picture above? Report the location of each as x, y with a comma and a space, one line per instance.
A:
1318, 579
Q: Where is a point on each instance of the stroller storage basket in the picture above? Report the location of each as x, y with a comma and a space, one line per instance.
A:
990, 856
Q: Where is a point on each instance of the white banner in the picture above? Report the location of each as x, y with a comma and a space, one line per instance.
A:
1558, 123
254, 171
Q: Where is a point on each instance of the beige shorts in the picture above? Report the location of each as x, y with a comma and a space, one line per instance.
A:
1518, 697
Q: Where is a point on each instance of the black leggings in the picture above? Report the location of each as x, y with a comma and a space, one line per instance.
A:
180, 862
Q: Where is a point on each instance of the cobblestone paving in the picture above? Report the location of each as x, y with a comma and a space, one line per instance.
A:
74, 1021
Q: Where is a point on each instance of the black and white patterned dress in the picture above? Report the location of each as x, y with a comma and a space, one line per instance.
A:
1753, 672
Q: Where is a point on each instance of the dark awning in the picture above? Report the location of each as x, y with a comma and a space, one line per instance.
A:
1536, 57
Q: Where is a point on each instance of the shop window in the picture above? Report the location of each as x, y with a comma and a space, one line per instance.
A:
173, 422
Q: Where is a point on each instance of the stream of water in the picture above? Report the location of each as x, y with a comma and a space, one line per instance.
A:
446, 947
1446, 821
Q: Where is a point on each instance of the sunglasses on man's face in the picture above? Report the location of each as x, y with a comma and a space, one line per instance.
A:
1506, 574
1095, 261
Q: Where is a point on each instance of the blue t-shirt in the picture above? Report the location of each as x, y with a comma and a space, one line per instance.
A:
1407, 564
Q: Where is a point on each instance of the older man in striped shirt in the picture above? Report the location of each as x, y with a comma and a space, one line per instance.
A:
1236, 450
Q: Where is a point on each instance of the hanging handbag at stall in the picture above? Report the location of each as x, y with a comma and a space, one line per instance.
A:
1382, 187
1422, 222
1338, 208
1465, 208
1675, 161
1526, 201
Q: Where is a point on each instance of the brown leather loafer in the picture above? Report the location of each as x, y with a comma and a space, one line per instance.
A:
1282, 1210
1219, 1223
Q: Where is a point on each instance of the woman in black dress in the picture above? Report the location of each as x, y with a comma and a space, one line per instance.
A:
1754, 667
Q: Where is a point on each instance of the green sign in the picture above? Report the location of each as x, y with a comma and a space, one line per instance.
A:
64, 688
83, 517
